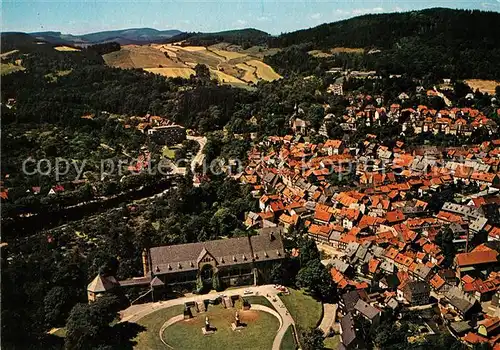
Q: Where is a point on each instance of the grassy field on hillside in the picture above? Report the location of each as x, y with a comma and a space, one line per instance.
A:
239, 69
485, 86
305, 310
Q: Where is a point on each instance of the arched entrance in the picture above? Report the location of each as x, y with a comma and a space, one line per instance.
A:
207, 273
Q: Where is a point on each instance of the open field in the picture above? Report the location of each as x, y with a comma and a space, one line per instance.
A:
258, 334
335, 50
483, 85
135, 56
264, 71
65, 48
320, 54
225, 78
305, 310
239, 69
228, 55
347, 50
260, 51
249, 74
54, 76
7, 68
150, 338
172, 72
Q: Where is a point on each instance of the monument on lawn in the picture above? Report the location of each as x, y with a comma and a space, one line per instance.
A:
207, 329
237, 318
187, 312
237, 325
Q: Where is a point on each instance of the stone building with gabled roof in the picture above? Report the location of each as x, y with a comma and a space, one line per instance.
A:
101, 285
235, 261
224, 262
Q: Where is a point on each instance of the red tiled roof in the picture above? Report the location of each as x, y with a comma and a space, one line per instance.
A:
474, 338
373, 265
395, 216
322, 215
320, 230
476, 258
437, 281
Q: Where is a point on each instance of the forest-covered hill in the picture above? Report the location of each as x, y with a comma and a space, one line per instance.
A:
243, 37
445, 42
455, 29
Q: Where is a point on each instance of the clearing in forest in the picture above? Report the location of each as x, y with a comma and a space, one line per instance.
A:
264, 71
485, 86
66, 48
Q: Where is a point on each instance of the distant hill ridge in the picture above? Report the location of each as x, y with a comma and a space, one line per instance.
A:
436, 26
121, 36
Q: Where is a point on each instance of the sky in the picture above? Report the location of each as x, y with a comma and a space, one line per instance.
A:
272, 16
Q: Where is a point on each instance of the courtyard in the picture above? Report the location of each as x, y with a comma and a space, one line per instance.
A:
259, 331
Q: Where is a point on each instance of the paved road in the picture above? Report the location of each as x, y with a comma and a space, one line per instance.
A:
136, 312
200, 156
329, 315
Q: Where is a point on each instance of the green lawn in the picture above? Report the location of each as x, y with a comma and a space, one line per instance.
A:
258, 334
332, 342
259, 299
288, 342
150, 338
305, 310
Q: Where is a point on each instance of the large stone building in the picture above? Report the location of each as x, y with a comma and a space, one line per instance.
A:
235, 261
168, 134
224, 262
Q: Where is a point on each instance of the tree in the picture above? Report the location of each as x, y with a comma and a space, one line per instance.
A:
443, 341
88, 325
312, 339
223, 222
315, 277
57, 303
308, 251
444, 239
202, 72
481, 346
389, 335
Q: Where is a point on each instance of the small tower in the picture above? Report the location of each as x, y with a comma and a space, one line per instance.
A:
145, 262
99, 286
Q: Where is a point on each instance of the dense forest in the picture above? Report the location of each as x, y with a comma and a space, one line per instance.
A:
243, 37
44, 274
448, 43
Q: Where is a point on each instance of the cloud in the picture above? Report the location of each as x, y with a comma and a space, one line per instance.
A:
489, 5
240, 22
398, 9
315, 16
367, 10
341, 12
263, 19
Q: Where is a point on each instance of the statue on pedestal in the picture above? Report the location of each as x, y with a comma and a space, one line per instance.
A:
237, 319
